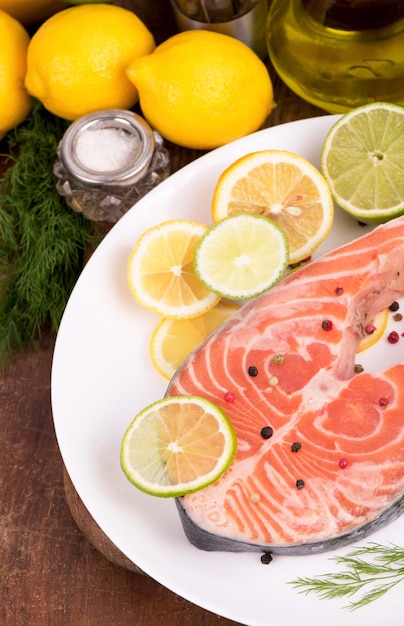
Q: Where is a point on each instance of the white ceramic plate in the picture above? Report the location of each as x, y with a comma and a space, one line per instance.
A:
102, 376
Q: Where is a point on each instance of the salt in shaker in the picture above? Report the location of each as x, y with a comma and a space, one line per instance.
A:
107, 161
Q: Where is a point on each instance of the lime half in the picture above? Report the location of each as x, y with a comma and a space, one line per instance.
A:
177, 445
241, 256
363, 162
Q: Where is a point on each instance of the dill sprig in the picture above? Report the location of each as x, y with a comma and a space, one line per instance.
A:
370, 571
42, 241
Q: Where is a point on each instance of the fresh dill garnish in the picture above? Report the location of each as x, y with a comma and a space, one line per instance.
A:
370, 571
42, 241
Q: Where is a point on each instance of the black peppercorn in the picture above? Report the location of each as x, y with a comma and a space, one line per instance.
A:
266, 558
295, 447
300, 483
252, 370
267, 432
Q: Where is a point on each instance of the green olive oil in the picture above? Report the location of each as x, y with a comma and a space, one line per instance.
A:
338, 54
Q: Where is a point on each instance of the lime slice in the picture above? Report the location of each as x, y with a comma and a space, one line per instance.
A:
363, 162
241, 256
177, 445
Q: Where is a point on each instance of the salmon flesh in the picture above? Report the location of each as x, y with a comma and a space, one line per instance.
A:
320, 456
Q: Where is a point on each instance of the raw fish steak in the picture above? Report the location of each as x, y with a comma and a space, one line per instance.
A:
320, 458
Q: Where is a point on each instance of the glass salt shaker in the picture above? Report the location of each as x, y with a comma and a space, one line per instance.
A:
107, 161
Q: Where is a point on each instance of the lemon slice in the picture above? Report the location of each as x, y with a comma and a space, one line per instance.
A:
161, 274
363, 161
241, 256
378, 326
286, 188
177, 445
173, 340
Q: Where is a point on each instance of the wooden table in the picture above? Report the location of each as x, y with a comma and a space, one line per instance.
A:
51, 573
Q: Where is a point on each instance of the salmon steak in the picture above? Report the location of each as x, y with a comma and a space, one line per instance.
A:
320, 443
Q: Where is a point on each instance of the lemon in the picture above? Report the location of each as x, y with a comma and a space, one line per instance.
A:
363, 161
377, 328
30, 12
177, 445
241, 256
86, 1
202, 89
161, 274
173, 340
15, 103
77, 59
284, 187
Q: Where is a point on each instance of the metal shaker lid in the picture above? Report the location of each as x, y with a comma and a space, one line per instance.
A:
132, 129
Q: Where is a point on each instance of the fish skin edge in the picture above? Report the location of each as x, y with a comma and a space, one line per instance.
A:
205, 540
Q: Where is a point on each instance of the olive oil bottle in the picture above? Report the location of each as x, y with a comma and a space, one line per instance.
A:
339, 54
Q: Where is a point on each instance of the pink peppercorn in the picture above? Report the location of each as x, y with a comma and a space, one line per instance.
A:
326, 325
229, 396
383, 401
370, 329
393, 337
343, 463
